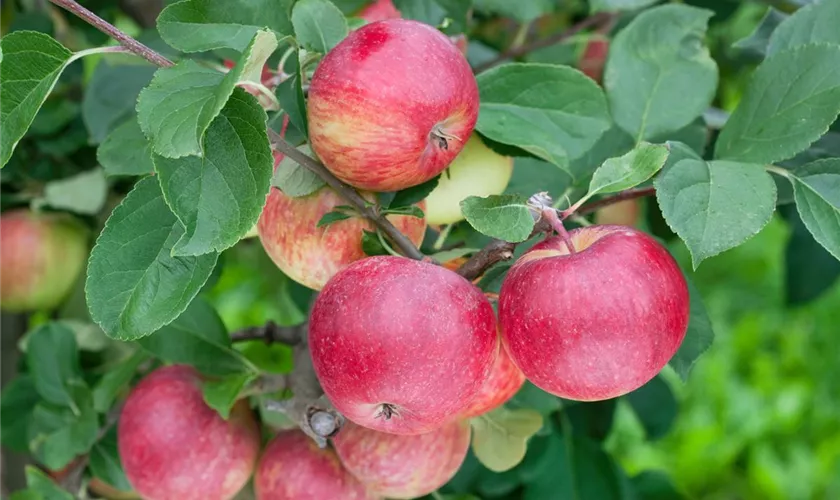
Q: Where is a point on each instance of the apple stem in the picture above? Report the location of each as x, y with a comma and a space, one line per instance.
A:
554, 221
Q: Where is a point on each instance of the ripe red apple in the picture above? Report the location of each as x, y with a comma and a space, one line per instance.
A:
598, 323
380, 10
401, 346
476, 171
41, 257
623, 213
309, 254
172, 445
292, 467
391, 105
397, 466
504, 381
594, 57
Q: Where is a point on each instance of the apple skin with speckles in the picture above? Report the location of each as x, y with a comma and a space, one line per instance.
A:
401, 346
598, 323
503, 382
396, 466
392, 105
172, 445
293, 467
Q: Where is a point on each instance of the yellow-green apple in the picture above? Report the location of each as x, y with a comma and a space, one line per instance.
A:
401, 346
623, 213
380, 10
309, 254
476, 171
396, 466
172, 445
391, 105
293, 467
41, 256
504, 380
596, 323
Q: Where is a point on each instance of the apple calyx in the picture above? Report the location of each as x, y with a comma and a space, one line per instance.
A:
387, 410
442, 138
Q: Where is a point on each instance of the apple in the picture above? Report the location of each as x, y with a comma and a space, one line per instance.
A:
476, 171
380, 10
293, 467
594, 57
503, 383
309, 254
397, 466
623, 213
105, 490
41, 257
401, 346
172, 445
391, 105
597, 323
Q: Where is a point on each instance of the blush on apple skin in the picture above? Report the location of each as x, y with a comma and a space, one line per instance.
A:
293, 467
391, 105
401, 346
397, 466
309, 254
503, 383
172, 445
599, 323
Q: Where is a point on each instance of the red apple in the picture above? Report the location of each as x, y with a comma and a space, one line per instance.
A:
397, 466
401, 346
594, 57
173, 446
391, 105
380, 10
41, 257
309, 254
292, 467
623, 213
597, 323
504, 381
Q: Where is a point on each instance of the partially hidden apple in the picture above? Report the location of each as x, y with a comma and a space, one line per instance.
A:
504, 381
309, 254
41, 257
380, 10
391, 105
623, 213
594, 57
173, 446
396, 466
401, 346
105, 490
476, 171
293, 467
597, 323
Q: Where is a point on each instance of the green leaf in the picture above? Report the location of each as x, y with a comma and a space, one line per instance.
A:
57, 435
30, 65
182, 101
813, 23
809, 269
615, 142
434, 12
222, 394
816, 189
111, 96
715, 206
201, 25
105, 462
134, 284
523, 10
656, 407
506, 217
659, 75
553, 112
319, 25
115, 381
758, 41
126, 151
41, 484
83, 193
630, 170
531, 396
618, 5
271, 358
290, 95
455, 253
413, 211
331, 217
17, 401
500, 437
655, 485
371, 245
198, 338
219, 197
415, 194
53, 361
698, 337
294, 179
792, 99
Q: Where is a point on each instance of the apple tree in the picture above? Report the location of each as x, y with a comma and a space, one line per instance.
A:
453, 220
